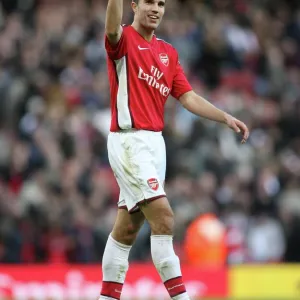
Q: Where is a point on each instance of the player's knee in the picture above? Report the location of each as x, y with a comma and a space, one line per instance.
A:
163, 225
131, 233
127, 234
160, 216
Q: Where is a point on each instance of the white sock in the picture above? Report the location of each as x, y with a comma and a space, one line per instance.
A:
114, 268
168, 266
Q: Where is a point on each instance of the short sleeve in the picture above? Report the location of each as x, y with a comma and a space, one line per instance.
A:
120, 49
180, 84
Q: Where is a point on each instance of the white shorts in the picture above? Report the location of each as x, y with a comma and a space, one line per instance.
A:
138, 160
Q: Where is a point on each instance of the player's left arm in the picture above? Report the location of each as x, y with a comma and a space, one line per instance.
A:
203, 108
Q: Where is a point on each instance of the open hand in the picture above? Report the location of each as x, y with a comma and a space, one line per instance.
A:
237, 126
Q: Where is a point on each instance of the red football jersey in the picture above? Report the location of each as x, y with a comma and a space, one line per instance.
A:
142, 74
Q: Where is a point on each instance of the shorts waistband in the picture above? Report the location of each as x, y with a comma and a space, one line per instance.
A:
138, 131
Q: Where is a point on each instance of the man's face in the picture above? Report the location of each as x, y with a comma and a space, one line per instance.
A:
149, 12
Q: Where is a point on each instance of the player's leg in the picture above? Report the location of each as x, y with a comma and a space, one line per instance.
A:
116, 253
126, 227
160, 216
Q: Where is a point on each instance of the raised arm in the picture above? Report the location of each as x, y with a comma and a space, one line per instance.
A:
114, 14
201, 107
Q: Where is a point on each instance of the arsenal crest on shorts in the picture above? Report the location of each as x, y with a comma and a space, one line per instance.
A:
164, 58
153, 184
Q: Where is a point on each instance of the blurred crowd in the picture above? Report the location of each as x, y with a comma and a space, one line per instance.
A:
58, 195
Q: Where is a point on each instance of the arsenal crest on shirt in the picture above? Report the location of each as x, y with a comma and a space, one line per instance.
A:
153, 184
164, 59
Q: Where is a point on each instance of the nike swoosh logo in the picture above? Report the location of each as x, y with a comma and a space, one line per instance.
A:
141, 48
